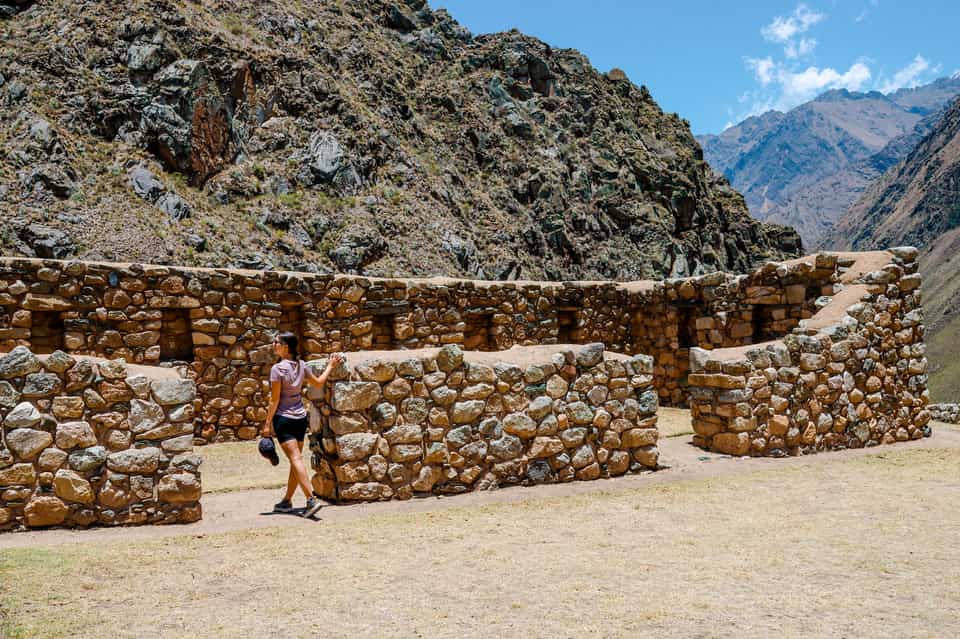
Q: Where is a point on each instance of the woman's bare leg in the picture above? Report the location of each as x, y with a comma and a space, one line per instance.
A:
291, 482
298, 472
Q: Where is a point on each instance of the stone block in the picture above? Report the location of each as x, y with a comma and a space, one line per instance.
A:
355, 396
737, 444
179, 488
45, 510
27, 443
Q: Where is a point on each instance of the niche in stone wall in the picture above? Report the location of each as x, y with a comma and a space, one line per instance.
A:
176, 340
291, 321
686, 327
478, 335
771, 322
567, 325
46, 332
383, 332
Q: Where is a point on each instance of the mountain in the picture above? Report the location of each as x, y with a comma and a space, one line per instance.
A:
361, 136
806, 167
917, 202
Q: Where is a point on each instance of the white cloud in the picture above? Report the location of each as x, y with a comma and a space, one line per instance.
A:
909, 76
812, 81
783, 29
803, 47
786, 29
763, 69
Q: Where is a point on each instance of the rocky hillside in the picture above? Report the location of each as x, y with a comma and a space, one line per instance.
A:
350, 135
806, 167
917, 202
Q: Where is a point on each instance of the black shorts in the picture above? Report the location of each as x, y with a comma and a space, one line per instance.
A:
288, 428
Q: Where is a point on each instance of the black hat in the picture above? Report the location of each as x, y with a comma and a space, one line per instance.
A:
269, 450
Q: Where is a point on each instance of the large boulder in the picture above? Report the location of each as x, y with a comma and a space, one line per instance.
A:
179, 488
187, 123
47, 242
323, 162
45, 511
10, 8
150, 188
356, 249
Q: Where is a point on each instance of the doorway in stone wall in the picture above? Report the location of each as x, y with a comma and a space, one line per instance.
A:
567, 325
46, 332
176, 339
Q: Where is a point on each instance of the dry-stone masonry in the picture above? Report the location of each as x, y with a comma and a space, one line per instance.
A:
949, 413
852, 376
221, 322
94, 442
818, 353
446, 422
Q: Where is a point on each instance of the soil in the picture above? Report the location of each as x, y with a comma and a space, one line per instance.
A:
858, 543
250, 509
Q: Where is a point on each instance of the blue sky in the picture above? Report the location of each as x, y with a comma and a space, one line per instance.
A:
716, 63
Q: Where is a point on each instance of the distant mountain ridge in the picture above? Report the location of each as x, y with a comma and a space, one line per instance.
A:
806, 167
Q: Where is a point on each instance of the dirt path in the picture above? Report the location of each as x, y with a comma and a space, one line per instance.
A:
249, 509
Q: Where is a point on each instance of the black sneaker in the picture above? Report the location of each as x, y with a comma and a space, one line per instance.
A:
313, 505
283, 506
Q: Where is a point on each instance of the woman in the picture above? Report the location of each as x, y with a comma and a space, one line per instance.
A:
287, 417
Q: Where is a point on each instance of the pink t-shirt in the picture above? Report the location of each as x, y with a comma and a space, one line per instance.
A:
290, 375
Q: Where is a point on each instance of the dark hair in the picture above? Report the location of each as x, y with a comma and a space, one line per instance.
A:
292, 342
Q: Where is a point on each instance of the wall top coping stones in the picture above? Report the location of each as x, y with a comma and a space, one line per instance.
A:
863, 262
518, 355
151, 372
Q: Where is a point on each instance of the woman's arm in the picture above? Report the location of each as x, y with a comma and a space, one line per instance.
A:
267, 430
318, 381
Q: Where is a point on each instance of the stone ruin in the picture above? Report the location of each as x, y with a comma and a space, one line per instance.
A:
94, 442
446, 422
817, 353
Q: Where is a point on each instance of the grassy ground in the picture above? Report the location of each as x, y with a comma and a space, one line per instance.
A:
861, 548
238, 466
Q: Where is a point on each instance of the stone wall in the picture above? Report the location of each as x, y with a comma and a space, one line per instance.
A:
949, 413
852, 376
446, 422
221, 322
88, 442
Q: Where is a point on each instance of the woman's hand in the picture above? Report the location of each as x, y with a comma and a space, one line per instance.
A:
335, 360
267, 430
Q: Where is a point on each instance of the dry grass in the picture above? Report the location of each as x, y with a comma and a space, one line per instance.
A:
673, 422
238, 466
859, 548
